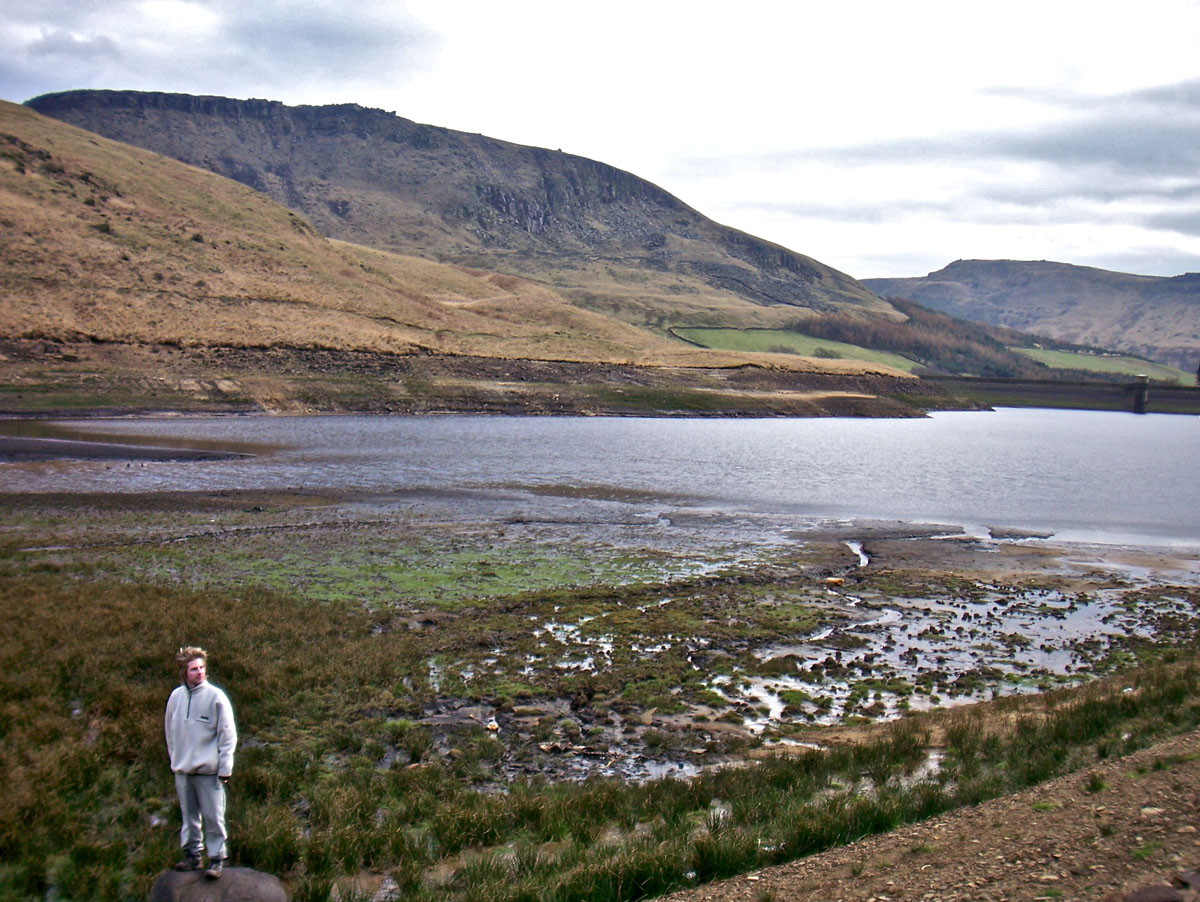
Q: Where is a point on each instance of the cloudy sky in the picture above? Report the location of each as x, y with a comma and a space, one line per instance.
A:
883, 138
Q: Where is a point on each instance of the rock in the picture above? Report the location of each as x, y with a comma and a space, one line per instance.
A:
235, 885
1162, 893
365, 888
1006, 532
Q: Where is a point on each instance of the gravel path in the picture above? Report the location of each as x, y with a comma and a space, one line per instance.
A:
1054, 841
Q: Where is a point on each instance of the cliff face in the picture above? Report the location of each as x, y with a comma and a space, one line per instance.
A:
604, 235
1152, 316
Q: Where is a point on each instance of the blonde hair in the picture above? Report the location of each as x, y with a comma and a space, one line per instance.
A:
187, 655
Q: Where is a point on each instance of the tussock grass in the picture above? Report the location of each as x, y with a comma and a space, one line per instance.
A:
333, 780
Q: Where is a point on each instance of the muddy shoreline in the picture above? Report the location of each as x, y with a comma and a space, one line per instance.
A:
637, 638
72, 379
499, 644
14, 448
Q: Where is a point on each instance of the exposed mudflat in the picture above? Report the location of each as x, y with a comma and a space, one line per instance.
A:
604, 634
575, 633
98, 378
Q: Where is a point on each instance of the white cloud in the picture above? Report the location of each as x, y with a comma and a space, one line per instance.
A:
64, 46
175, 19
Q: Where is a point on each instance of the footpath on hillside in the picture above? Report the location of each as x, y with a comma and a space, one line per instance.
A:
1121, 826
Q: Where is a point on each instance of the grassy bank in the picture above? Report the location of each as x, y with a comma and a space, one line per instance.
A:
336, 777
786, 341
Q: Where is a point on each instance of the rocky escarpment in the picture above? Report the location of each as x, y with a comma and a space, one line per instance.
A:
375, 178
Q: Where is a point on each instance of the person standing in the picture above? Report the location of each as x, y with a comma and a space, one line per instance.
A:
201, 738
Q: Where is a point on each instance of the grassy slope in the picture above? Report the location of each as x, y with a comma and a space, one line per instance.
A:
106, 242
1129, 366
117, 244
773, 340
1150, 316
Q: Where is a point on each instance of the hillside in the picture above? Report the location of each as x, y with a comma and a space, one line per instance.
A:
113, 244
132, 264
1151, 316
605, 239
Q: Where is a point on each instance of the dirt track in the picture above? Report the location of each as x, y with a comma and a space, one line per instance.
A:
1054, 841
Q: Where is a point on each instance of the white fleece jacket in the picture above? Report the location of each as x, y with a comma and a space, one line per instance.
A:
201, 734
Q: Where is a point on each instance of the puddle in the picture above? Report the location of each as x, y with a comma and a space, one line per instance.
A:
918, 653
1186, 573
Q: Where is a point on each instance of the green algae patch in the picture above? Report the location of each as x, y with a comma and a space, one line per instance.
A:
378, 562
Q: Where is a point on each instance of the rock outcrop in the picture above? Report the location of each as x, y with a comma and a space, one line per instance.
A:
235, 885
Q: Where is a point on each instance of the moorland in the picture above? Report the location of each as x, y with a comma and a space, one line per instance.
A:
135, 283
444, 700
1151, 316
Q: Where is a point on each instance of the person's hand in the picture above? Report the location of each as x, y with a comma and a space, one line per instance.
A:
224, 779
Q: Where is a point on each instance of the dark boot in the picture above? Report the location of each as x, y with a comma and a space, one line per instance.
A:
189, 862
215, 867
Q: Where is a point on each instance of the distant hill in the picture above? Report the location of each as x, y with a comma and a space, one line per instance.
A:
1151, 316
604, 238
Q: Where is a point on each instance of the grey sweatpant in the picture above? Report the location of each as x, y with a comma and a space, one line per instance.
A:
202, 799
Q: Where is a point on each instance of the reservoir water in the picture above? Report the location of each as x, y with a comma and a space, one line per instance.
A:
1084, 476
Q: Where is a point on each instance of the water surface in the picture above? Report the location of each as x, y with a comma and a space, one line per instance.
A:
1085, 476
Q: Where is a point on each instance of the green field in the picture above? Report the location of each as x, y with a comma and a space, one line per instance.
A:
1131, 366
787, 342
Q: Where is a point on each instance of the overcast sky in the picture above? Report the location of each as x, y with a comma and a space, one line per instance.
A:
884, 138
